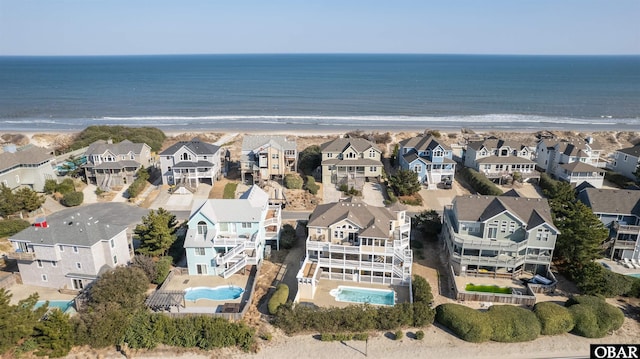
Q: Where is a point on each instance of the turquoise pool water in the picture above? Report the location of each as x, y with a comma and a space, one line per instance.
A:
364, 295
63, 305
223, 292
636, 275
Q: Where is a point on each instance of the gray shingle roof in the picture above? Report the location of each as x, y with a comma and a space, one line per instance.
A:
252, 142
496, 143
578, 166
122, 148
247, 208
504, 160
423, 143
614, 201
355, 162
187, 164
196, 146
373, 221
341, 144
30, 155
633, 151
77, 226
480, 208
116, 165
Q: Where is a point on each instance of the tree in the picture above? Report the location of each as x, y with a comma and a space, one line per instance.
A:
405, 182
394, 155
288, 236
54, 335
429, 222
28, 199
581, 234
8, 201
17, 321
157, 232
309, 159
50, 186
293, 181
125, 286
72, 199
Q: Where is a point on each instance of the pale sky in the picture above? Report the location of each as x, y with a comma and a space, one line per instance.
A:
132, 27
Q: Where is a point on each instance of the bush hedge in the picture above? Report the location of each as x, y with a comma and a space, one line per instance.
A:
467, 323
149, 135
278, 298
419, 335
9, 227
288, 237
593, 317
139, 183
163, 267
72, 199
512, 324
330, 337
554, 318
479, 182
311, 185
293, 181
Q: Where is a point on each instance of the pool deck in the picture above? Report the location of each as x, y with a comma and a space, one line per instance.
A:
323, 298
182, 282
461, 282
22, 291
618, 267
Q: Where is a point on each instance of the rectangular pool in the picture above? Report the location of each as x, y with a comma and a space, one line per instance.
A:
636, 275
364, 295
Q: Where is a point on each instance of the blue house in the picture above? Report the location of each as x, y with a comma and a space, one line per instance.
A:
429, 158
227, 235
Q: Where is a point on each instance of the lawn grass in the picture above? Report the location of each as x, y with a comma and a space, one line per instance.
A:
230, 190
487, 289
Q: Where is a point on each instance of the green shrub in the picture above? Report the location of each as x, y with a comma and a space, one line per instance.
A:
266, 336
618, 179
288, 236
293, 181
311, 185
479, 182
139, 183
309, 159
278, 298
468, 324
343, 188
360, 336
593, 279
554, 319
50, 186
163, 267
230, 190
419, 335
593, 317
513, 324
66, 186
72, 199
330, 337
9, 227
149, 135
421, 290
398, 335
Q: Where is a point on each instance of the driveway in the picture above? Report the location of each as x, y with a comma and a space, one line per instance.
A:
330, 193
372, 194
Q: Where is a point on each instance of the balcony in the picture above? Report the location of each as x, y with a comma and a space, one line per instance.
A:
625, 228
22, 256
618, 244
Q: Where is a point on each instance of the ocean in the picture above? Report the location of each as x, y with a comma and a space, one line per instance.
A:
315, 92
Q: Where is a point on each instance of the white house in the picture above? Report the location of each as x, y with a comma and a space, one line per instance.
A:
625, 161
26, 166
574, 161
189, 163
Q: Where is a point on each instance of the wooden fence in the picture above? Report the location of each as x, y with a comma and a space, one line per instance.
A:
528, 299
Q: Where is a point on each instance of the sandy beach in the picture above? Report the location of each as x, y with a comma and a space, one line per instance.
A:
438, 343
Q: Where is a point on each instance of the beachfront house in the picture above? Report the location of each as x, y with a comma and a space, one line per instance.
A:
228, 235
501, 159
625, 161
619, 211
499, 236
353, 241
350, 162
115, 164
266, 157
27, 166
69, 249
574, 161
430, 158
189, 163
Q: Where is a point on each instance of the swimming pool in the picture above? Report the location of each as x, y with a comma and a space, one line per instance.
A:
223, 292
364, 295
636, 275
63, 305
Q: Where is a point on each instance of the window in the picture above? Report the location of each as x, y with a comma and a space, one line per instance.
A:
54, 264
493, 232
44, 278
61, 247
132, 157
224, 227
512, 227
318, 230
39, 262
275, 166
246, 224
75, 249
78, 265
373, 169
202, 228
168, 157
503, 227
329, 155
275, 156
113, 243
542, 235
417, 168
351, 155
77, 284
115, 260
199, 251
372, 153
186, 157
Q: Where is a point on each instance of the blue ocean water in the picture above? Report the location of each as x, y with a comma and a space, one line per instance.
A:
235, 92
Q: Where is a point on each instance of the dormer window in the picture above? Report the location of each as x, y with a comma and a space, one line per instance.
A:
372, 153
186, 157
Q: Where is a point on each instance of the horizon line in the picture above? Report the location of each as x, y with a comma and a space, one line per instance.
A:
322, 53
